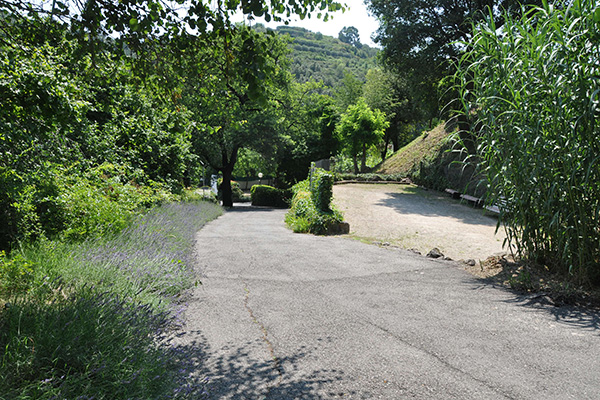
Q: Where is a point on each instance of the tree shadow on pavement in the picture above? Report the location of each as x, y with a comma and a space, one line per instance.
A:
576, 312
416, 203
233, 373
244, 209
575, 316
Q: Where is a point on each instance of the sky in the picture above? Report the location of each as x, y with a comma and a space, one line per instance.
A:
356, 16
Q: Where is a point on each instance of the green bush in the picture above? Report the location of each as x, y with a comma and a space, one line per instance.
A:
304, 217
57, 201
204, 193
16, 274
369, 177
264, 195
322, 190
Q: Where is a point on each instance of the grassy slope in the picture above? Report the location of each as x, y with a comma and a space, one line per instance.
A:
425, 146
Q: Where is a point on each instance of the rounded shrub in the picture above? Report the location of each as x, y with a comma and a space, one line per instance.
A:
264, 195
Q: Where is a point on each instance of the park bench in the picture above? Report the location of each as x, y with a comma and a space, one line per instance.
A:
495, 208
455, 194
475, 201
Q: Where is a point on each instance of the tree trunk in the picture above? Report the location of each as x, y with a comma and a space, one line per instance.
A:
385, 147
227, 171
395, 142
226, 187
363, 161
355, 161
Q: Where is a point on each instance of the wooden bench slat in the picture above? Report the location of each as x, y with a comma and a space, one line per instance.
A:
454, 193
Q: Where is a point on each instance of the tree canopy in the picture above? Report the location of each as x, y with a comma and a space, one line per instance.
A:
360, 127
350, 35
140, 18
421, 37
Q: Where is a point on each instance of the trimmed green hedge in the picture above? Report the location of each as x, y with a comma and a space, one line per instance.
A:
264, 195
322, 190
369, 177
304, 216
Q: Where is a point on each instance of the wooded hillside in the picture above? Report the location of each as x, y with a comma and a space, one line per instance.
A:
320, 57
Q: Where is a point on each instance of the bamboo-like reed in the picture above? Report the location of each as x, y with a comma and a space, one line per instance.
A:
532, 90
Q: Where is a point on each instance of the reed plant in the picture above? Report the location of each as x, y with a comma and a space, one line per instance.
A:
531, 90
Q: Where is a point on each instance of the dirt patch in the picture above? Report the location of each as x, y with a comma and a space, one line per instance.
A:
413, 218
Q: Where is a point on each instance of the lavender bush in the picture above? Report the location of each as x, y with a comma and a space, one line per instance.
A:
94, 323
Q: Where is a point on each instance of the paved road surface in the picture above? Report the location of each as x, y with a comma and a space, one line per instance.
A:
290, 316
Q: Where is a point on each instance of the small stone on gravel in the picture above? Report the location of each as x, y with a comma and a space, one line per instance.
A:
435, 253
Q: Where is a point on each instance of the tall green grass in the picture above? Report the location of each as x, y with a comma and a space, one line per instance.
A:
91, 320
531, 89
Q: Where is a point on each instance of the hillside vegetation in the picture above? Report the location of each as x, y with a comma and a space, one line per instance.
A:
423, 147
429, 161
320, 57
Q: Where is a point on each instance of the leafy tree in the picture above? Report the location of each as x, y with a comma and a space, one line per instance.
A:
250, 163
135, 21
391, 93
229, 108
350, 35
60, 118
348, 93
360, 127
379, 95
308, 130
419, 37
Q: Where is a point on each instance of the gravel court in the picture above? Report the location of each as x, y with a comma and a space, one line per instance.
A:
285, 316
413, 218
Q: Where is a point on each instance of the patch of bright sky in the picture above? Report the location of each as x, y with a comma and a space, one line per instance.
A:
356, 15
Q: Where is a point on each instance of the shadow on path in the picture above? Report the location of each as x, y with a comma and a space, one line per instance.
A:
236, 374
249, 208
575, 316
416, 203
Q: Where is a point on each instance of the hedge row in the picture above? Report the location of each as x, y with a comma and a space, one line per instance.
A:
264, 195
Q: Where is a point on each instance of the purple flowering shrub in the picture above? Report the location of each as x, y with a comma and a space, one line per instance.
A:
95, 322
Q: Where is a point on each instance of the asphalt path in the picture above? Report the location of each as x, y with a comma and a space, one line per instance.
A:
292, 316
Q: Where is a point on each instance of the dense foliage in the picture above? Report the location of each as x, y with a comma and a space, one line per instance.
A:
531, 87
264, 195
420, 38
108, 108
309, 126
308, 216
361, 128
79, 142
